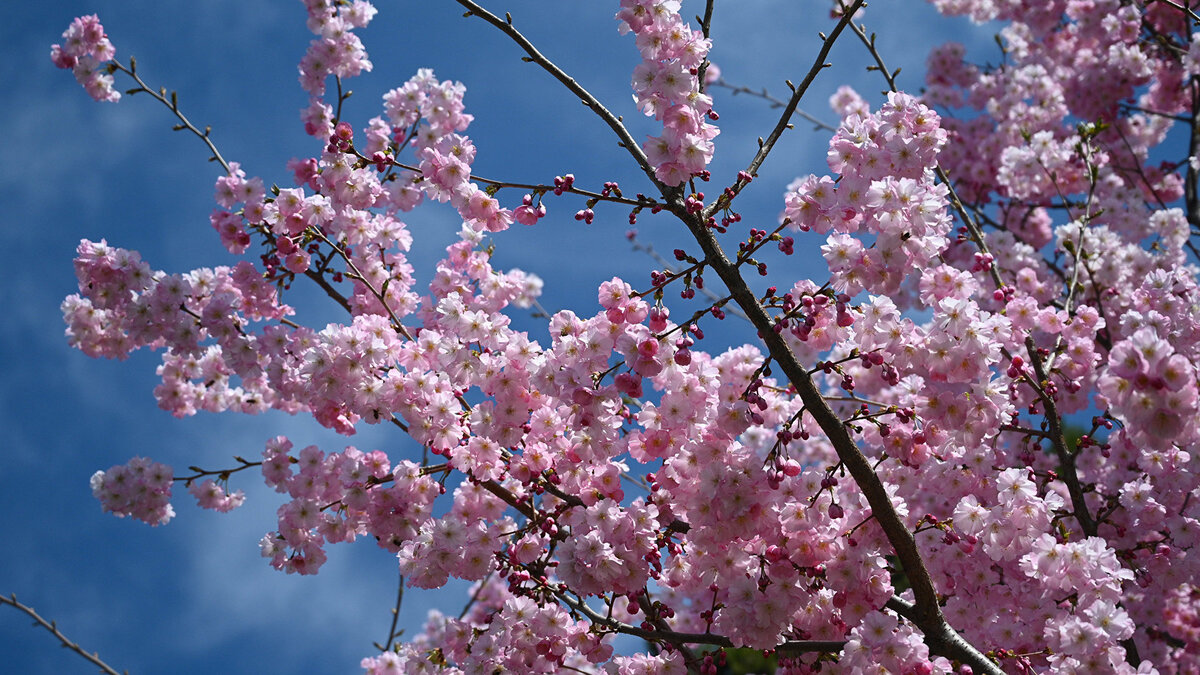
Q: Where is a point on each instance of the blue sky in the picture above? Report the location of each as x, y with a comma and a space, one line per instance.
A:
194, 596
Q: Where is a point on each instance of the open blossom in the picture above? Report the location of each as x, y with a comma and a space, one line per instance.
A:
141, 488
996, 276
666, 88
336, 49
85, 50
210, 495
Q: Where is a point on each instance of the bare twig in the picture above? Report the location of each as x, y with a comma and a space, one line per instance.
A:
392, 632
789, 109
52, 626
775, 103
475, 596
173, 104
613, 122
666, 265
332, 292
1191, 13
1191, 197
706, 29
532, 187
223, 474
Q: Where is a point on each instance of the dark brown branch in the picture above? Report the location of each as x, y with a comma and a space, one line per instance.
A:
627, 141
909, 611
1181, 8
508, 498
1066, 460
329, 289
222, 473
706, 29
941, 638
677, 638
1191, 198
1022, 430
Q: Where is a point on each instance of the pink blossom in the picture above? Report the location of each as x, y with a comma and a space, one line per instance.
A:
998, 273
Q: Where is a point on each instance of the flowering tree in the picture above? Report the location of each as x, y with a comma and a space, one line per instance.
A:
884, 479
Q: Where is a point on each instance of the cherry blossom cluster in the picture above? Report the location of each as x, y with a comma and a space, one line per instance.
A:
667, 87
85, 50
1150, 386
886, 189
882, 644
514, 633
1133, 306
1081, 67
140, 488
336, 50
336, 498
124, 306
211, 495
615, 476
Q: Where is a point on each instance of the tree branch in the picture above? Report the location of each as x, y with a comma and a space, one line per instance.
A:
1191, 198
775, 103
677, 638
392, 632
927, 615
789, 109
1192, 14
52, 626
614, 123
1066, 461
706, 29
173, 104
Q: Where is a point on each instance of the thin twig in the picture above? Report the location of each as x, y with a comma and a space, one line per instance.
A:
973, 229
678, 638
222, 473
52, 626
475, 595
332, 292
613, 122
1191, 196
392, 632
1026, 431
173, 104
358, 275
1181, 8
532, 187
1066, 461
789, 109
706, 29
775, 103
666, 265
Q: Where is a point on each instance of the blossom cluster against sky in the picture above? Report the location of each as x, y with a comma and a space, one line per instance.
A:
194, 596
